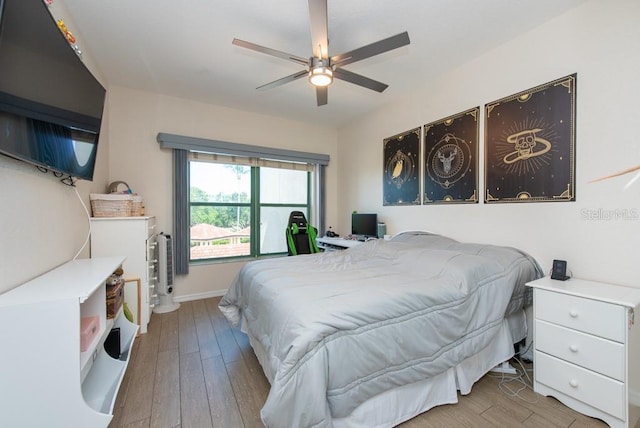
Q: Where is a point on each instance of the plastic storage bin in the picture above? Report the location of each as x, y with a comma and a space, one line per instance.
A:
89, 328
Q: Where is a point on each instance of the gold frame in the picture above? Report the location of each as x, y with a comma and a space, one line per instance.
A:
530, 137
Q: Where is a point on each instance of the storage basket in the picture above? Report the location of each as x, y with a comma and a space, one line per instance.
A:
136, 205
115, 297
111, 205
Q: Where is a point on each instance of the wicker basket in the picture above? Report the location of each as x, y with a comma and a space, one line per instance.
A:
111, 205
136, 206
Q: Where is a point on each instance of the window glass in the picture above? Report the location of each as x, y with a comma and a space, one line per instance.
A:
283, 186
219, 231
224, 201
213, 182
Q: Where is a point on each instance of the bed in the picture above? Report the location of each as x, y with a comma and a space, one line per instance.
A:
374, 335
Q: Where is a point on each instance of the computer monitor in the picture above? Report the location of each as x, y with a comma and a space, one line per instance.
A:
364, 225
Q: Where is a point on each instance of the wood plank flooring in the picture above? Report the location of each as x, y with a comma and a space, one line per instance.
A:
194, 370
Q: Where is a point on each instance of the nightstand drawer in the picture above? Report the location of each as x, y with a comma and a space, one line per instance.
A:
591, 388
600, 355
590, 316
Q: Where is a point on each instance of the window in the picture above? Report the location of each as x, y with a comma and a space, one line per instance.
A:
239, 210
185, 148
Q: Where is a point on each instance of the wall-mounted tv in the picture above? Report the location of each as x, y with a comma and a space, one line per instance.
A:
51, 105
364, 225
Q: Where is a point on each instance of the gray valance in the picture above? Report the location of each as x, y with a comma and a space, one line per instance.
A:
181, 142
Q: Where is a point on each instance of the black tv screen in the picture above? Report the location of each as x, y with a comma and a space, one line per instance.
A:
51, 105
364, 225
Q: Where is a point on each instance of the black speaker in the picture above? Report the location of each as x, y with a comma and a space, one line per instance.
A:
559, 270
112, 343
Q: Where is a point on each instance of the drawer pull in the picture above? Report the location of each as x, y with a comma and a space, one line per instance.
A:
573, 383
573, 313
573, 348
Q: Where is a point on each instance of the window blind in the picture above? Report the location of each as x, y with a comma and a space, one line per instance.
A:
241, 160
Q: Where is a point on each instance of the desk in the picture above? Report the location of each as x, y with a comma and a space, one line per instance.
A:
334, 244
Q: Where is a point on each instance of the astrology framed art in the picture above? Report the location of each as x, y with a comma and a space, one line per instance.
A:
530, 144
451, 159
401, 176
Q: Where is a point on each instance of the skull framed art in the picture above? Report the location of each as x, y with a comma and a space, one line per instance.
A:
530, 144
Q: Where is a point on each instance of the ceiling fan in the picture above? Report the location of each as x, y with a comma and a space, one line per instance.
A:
321, 69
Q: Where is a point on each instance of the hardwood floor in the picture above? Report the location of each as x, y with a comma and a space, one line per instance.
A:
194, 370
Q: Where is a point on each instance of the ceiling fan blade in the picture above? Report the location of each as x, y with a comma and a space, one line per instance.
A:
357, 79
319, 33
322, 94
273, 52
284, 80
375, 48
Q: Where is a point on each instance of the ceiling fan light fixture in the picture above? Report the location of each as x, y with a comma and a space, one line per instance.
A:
321, 76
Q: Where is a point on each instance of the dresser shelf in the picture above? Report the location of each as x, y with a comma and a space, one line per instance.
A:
46, 380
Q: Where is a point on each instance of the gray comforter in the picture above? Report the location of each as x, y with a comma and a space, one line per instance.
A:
339, 328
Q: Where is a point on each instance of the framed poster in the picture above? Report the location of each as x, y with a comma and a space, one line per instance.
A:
451, 159
401, 181
530, 144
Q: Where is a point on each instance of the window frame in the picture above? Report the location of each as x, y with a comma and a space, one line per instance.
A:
255, 208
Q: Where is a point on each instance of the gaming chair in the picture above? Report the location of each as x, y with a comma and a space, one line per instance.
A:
300, 235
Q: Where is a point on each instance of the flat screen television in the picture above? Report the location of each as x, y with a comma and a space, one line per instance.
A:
51, 105
364, 225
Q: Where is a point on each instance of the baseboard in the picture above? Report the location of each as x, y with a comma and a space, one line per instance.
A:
198, 296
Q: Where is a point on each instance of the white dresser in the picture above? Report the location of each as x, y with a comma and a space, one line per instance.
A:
134, 238
587, 347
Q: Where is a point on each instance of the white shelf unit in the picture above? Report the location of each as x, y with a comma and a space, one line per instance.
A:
45, 379
134, 238
587, 346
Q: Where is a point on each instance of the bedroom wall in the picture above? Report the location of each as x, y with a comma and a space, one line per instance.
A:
43, 223
595, 40
135, 157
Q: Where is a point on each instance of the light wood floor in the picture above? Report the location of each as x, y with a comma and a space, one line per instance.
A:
193, 369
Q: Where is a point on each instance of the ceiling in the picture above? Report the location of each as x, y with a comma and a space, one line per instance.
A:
183, 48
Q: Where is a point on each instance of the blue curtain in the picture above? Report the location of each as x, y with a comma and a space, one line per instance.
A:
181, 211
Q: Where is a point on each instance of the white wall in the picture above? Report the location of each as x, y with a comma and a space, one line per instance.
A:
135, 157
599, 41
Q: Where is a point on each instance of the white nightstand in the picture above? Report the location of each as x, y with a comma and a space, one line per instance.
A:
587, 348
